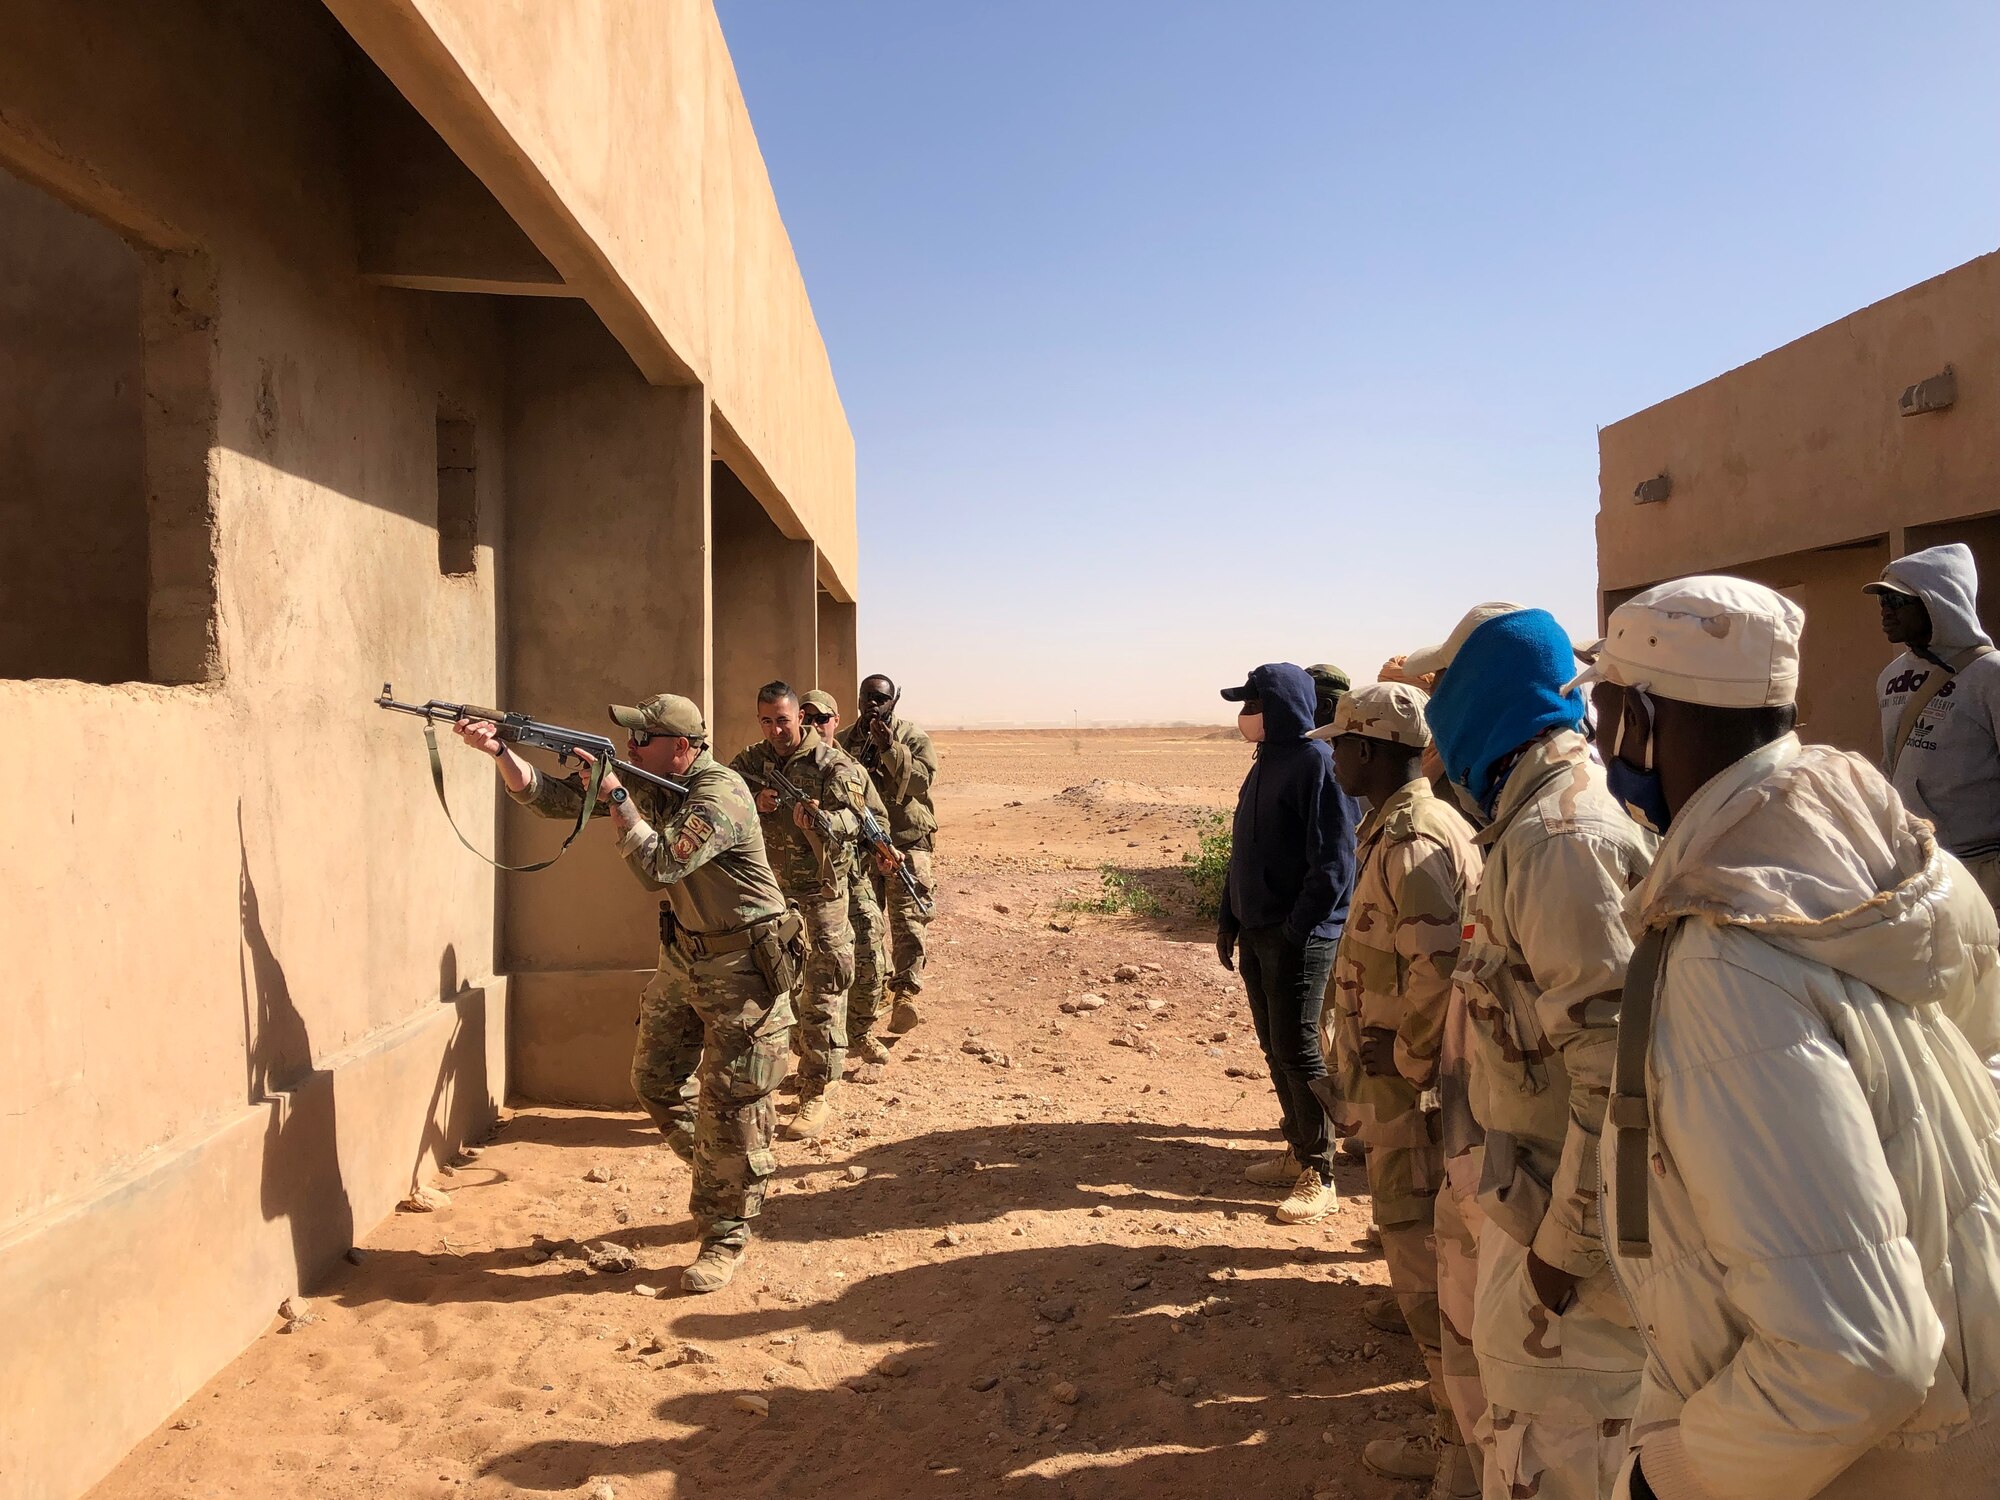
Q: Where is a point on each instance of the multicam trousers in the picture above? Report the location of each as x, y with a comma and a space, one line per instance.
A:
907, 925
871, 956
712, 1046
823, 1003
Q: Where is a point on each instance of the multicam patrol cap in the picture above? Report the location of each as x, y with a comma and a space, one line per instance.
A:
663, 713
820, 701
1391, 711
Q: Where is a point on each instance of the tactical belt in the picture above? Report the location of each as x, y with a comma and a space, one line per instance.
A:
700, 945
1628, 1116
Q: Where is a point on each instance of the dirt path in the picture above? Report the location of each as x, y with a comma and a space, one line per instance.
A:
1025, 1264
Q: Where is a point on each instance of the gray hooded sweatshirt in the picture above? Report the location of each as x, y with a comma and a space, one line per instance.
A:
1949, 771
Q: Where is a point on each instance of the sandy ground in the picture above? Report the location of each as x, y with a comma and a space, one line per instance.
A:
1024, 1264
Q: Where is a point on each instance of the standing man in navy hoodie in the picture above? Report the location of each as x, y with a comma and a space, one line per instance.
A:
1291, 870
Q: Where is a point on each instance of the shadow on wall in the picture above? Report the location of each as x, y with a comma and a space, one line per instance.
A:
458, 1099
302, 1182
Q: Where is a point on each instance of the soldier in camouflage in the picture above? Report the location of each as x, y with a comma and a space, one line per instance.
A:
1387, 1006
821, 711
900, 759
811, 847
721, 999
1542, 968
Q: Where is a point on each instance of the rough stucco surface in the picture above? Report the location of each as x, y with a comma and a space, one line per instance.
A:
1805, 446
238, 883
1799, 470
252, 988
627, 117
766, 619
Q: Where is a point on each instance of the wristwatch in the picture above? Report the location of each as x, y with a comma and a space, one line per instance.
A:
618, 795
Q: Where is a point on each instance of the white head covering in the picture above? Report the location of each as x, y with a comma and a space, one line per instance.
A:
1712, 639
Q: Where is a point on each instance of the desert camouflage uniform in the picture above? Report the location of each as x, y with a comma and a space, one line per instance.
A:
1459, 1222
715, 1013
1416, 864
871, 934
815, 878
1545, 950
903, 774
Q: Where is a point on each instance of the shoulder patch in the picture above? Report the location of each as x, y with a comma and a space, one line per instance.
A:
695, 831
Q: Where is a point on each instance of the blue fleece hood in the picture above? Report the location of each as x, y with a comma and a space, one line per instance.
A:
1503, 689
1287, 692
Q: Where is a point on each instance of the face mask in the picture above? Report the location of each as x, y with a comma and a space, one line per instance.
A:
1251, 727
1638, 791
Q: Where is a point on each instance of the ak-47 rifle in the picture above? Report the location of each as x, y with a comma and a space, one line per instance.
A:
518, 729
873, 834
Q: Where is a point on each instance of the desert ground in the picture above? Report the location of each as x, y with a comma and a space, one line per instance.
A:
1023, 1264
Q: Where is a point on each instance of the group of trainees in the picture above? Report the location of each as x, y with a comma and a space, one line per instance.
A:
1672, 1040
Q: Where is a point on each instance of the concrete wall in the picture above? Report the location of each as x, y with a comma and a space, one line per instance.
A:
239, 934
616, 136
256, 986
766, 618
608, 573
1799, 470
839, 656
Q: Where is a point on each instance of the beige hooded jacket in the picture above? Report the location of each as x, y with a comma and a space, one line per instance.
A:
1824, 1282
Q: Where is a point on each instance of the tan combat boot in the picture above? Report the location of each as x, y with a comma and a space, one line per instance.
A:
814, 1111
1273, 1170
1385, 1314
712, 1269
906, 1016
873, 1050
1313, 1197
1415, 1455
1458, 1473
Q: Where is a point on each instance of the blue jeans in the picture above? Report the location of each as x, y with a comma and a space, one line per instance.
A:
1287, 985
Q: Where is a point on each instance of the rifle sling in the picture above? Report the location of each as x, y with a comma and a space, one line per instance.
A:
1628, 1116
582, 815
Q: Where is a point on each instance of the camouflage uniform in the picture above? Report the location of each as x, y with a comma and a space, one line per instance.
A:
812, 870
705, 1009
903, 774
1459, 1222
871, 934
1416, 864
1545, 950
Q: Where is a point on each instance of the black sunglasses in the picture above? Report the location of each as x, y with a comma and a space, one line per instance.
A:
813, 718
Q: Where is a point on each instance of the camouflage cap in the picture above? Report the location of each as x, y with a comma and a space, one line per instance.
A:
663, 713
820, 700
1381, 711
1326, 675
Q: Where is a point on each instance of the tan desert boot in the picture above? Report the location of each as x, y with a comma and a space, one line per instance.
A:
813, 1114
1313, 1197
873, 1050
1273, 1170
905, 1017
1458, 1473
1385, 1314
712, 1269
1412, 1456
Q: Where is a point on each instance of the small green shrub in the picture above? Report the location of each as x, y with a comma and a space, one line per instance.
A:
1118, 893
1208, 865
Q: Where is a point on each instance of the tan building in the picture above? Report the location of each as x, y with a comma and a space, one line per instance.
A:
446, 342
1809, 469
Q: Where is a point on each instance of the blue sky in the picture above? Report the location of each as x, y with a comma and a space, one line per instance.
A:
1178, 337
